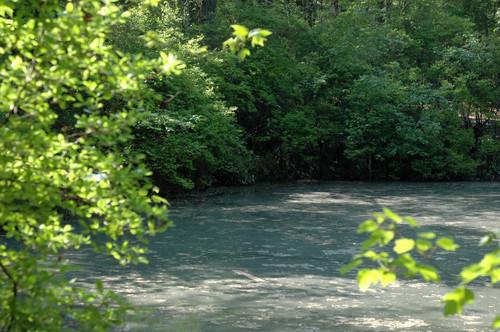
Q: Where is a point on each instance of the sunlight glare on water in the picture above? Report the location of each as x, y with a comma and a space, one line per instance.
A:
266, 258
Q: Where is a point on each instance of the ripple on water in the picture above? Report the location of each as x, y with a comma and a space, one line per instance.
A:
286, 244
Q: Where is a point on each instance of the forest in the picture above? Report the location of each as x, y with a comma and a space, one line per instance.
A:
110, 107
393, 90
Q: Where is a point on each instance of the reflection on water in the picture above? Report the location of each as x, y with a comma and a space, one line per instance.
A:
266, 258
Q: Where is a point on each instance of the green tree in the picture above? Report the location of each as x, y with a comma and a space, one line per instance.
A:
484, 13
190, 139
67, 177
65, 184
375, 118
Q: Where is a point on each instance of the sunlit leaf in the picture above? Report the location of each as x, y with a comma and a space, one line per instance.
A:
471, 272
260, 33
485, 240
387, 237
495, 276
368, 226
496, 322
423, 245
368, 277
371, 255
388, 278
6, 10
243, 53
427, 272
403, 245
240, 31
447, 244
170, 64
396, 218
69, 7
411, 221
427, 235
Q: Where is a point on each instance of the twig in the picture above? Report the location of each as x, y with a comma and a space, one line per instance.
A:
14, 296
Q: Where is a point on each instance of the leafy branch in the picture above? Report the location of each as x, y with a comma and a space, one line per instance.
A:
402, 261
242, 35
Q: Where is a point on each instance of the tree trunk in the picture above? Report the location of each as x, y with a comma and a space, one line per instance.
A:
208, 7
385, 7
335, 8
370, 167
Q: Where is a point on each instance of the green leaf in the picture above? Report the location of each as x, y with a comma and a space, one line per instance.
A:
490, 260
406, 261
485, 240
6, 11
379, 217
427, 235
388, 278
116, 254
412, 222
69, 7
455, 300
260, 33
232, 44
396, 218
258, 36
451, 308
495, 276
99, 285
369, 242
258, 41
404, 245
368, 226
371, 255
368, 277
240, 31
447, 244
384, 237
471, 272
496, 323
243, 53
429, 273
170, 64
423, 245
352, 265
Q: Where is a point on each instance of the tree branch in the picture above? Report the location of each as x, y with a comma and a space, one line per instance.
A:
10, 323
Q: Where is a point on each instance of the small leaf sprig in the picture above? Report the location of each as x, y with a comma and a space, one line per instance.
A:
242, 35
382, 232
488, 267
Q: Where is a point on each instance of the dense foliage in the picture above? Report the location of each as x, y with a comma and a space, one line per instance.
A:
71, 177
68, 103
344, 89
190, 137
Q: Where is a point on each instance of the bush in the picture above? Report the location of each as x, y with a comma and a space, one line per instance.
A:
69, 101
190, 139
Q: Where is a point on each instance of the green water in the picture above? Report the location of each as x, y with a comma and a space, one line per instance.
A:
293, 238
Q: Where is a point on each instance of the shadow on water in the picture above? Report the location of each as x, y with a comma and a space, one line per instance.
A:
293, 239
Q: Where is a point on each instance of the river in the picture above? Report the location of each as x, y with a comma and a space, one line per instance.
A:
266, 258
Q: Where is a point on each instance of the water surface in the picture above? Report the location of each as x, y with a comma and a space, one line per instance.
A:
266, 258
